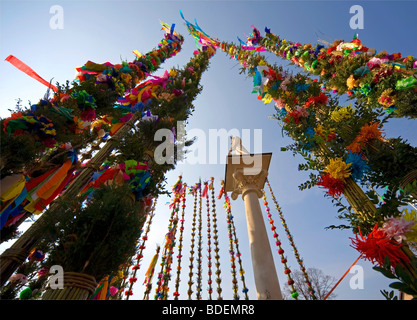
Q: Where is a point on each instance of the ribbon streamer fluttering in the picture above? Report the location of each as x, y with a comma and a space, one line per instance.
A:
29, 71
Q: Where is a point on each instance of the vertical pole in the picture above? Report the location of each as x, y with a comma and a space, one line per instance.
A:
266, 279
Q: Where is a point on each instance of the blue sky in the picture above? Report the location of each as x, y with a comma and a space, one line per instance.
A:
103, 31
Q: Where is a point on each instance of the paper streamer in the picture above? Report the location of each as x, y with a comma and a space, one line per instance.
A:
29, 71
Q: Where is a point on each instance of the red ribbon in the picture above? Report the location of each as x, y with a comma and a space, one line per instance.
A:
29, 71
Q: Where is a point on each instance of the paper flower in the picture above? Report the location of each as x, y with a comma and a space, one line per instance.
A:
113, 290
351, 82
342, 114
358, 165
376, 246
25, 294
396, 228
365, 89
280, 104
367, 133
406, 83
18, 278
338, 169
331, 134
335, 187
387, 99
321, 99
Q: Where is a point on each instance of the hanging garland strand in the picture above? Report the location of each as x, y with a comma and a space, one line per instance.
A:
136, 267
177, 281
238, 255
159, 291
290, 238
149, 274
199, 248
380, 77
231, 250
177, 190
167, 273
193, 191
209, 264
287, 271
216, 242
170, 239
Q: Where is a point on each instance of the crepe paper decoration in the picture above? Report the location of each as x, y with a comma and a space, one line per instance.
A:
358, 166
367, 133
376, 246
365, 89
338, 169
150, 272
39, 126
26, 294
13, 198
133, 172
291, 239
36, 255
316, 101
334, 59
245, 290
351, 82
139, 256
397, 228
215, 237
161, 293
54, 181
164, 276
229, 218
29, 71
199, 272
200, 37
127, 75
182, 194
209, 248
41, 191
342, 114
335, 187
287, 270
103, 289
193, 191
233, 243
86, 103
18, 278
408, 83
11, 186
327, 135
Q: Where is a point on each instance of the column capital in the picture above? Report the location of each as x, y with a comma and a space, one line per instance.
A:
248, 183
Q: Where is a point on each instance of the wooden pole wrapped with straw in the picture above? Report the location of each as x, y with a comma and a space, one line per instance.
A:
77, 286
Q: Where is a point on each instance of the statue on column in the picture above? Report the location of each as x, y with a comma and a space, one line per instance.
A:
237, 147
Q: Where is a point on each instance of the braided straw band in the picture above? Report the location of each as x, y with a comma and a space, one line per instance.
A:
77, 286
80, 280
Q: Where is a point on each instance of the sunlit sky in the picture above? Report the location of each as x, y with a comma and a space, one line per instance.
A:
103, 31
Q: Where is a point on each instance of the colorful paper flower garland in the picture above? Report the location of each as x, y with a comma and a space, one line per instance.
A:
290, 238
233, 243
194, 192
287, 271
216, 242
389, 76
182, 193
141, 247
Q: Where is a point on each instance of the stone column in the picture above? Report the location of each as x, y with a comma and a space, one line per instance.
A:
266, 279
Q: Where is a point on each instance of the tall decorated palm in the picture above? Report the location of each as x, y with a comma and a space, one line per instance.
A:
346, 147
152, 105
